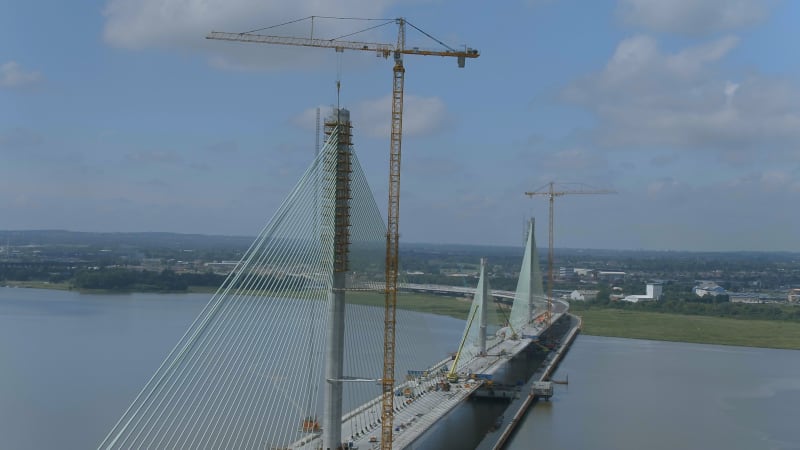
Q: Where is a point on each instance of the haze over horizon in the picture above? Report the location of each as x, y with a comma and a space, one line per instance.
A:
122, 117
541, 243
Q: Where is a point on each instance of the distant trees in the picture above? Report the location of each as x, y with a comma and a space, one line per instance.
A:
118, 279
35, 271
603, 295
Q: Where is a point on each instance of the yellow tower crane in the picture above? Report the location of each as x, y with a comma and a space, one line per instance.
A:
397, 50
551, 194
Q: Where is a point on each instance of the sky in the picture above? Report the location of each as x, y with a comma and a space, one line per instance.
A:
119, 116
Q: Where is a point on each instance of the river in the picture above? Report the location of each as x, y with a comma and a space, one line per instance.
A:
71, 363
637, 394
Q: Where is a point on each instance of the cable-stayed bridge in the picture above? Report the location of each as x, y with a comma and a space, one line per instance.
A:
280, 358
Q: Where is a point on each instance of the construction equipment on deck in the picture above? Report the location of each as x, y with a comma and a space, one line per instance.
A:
392, 224
452, 375
552, 194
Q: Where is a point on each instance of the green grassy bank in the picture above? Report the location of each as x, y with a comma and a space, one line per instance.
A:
62, 286
457, 307
686, 328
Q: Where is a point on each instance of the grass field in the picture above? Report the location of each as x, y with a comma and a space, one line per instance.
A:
64, 286
697, 329
457, 307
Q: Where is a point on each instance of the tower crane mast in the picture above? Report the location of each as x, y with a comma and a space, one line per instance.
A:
397, 50
551, 194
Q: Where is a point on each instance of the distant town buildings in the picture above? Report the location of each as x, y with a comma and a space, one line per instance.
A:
583, 295
571, 273
746, 297
610, 275
708, 288
221, 267
616, 294
794, 296
653, 293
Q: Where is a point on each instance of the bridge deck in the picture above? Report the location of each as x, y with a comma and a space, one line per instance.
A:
414, 416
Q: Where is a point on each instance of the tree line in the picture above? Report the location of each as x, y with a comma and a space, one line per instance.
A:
119, 279
113, 278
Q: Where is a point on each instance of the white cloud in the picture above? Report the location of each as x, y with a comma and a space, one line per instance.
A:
13, 75
730, 91
307, 119
769, 181
638, 58
421, 116
668, 186
645, 98
693, 17
183, 24
693, 60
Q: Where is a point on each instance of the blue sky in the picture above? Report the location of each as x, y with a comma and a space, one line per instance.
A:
119, 116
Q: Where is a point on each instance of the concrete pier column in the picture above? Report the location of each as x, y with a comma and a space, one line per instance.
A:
334, 368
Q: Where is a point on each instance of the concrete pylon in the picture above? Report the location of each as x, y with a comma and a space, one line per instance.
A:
482, 295
334, 360
529, 286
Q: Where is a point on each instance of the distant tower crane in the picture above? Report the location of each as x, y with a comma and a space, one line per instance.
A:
551, 193
392, 224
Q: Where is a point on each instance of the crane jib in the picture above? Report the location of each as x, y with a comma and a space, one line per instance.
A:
382, 48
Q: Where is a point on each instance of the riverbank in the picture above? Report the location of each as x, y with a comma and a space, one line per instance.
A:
692, 329
66, 286
456, 307
597, 322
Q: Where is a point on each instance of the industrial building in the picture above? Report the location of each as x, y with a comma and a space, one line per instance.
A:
708, 288
653, 293
582, 294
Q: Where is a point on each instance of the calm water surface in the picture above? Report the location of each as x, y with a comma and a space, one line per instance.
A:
636, 394
70, 364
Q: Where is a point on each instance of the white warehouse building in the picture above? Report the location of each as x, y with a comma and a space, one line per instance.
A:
653, 293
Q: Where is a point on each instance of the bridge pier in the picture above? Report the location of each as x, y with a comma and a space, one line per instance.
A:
334, 367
